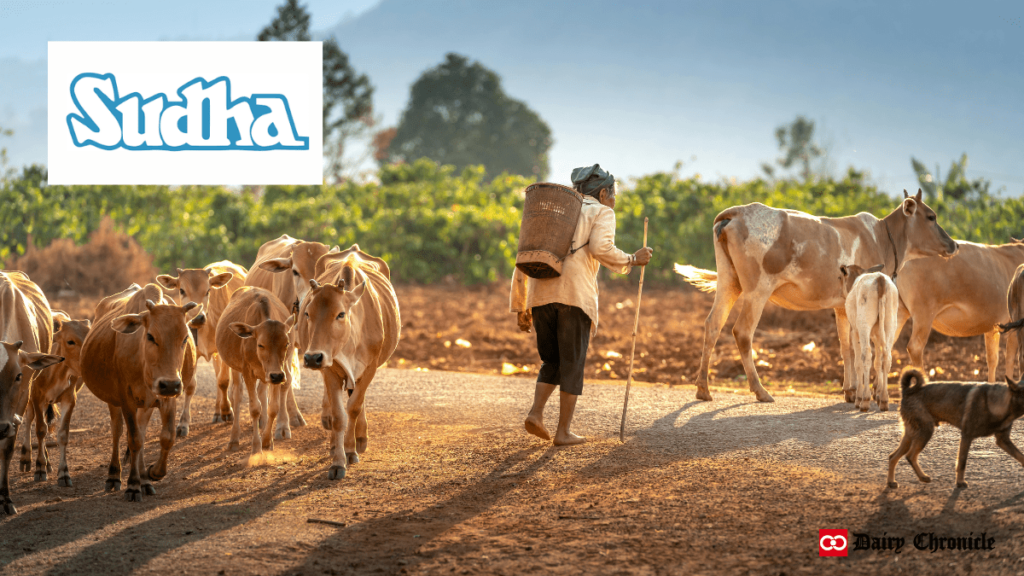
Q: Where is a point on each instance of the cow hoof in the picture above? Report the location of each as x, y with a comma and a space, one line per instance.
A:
154, 476
927, 479
883, 406
848, 395
764, 397
297, 421
234, 446
704, 395
336, 473
217, 418
268, 446
148, 490
133, 495
283, 434
182, 431
353, 458
961, 484
361, 445
325, 421
112, 486
25, 465
65, 481
864, 409
894, 484
40, 475
9, 508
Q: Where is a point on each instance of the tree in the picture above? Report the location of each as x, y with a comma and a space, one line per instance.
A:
458, 114
956, 185
796, 141
348, 96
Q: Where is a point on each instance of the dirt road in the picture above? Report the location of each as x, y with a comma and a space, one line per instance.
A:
452, 485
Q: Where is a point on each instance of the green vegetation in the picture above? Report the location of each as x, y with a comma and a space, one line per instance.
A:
430, 222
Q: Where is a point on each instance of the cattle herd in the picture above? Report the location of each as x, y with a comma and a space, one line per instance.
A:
335, 307
338, 310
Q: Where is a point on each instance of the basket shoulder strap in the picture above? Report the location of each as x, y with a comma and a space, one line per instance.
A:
575, 250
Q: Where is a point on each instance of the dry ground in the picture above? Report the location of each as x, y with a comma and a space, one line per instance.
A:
452, 485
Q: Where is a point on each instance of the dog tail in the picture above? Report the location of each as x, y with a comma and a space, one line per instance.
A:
911, 381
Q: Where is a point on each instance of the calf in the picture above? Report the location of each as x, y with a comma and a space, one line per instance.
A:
135, 359
212, 287
284, 266
871, 306
349, 325
26, 328
58, 385
254, 338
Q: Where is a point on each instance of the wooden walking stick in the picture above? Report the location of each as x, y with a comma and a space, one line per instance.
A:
636, 323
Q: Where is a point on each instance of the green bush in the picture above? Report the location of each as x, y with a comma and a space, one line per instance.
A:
430, 223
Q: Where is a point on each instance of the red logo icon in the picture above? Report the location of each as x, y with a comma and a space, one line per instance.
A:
833, 543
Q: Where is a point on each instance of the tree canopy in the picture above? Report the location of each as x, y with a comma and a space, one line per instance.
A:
798, 147
348, 95
458, 114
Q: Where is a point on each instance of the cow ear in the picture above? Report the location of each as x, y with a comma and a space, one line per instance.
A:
357, 293
290, 322
241, 329
909, 206
276, 264
167, 281
845, 271
57, 323
876, 268
128, 323
38, 361
221, 279
918, 195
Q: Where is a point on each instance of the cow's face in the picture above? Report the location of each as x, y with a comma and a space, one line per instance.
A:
328, 323
194, 285
301, 265
165, 334
923, 234
273, 347
14, 382
68, 336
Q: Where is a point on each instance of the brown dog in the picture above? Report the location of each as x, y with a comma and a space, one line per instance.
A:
976, 409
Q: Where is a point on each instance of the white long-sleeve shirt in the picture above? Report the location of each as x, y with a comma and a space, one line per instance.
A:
577, 286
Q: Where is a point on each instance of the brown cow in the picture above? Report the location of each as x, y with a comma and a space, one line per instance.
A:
59, 384
254, 339
26, 328
135, 359
1015, 308
793, 259
961, 296
284, 267
348, 327
212, 287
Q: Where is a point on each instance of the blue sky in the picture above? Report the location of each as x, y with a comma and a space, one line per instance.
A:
636, 86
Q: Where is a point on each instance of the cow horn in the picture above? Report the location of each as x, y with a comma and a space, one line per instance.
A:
189, 306
150, 305
17, 345
313, 283
905, 195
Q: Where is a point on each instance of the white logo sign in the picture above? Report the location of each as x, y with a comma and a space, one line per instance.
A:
179, 113
834, 543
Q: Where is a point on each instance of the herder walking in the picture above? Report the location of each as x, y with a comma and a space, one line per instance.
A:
563, 309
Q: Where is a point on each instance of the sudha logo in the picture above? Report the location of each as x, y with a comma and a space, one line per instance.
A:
833, 543
205, 118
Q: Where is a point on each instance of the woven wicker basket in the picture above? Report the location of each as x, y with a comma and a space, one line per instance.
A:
549, 223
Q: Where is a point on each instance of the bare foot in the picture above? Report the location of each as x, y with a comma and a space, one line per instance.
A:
569, 439
536, 427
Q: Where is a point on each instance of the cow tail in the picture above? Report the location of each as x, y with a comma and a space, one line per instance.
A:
1011, 326
911, 381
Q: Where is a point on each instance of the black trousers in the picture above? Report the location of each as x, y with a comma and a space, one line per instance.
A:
563, 336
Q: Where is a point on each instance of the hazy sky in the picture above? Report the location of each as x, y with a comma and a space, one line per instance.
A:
635, 86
